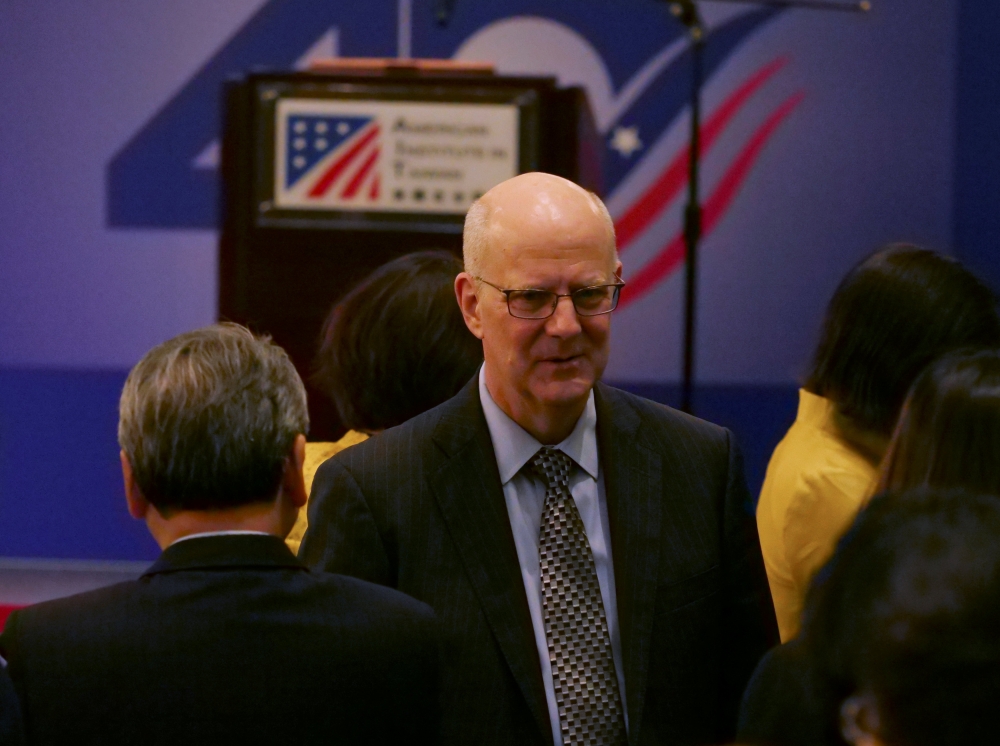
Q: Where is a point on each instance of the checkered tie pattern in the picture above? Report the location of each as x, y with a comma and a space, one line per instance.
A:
576, 628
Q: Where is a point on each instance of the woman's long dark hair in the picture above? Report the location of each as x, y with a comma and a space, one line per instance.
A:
948, 435
893, 314
908, 612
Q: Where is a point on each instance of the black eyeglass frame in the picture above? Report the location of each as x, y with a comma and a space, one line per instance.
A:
556, 296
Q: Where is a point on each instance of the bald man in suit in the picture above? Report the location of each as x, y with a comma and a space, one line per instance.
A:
588, 553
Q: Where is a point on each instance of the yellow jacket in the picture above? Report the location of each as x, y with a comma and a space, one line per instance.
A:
815, 485
316, 454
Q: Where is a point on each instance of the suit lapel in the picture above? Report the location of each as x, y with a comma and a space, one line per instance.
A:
632, 483
468, 492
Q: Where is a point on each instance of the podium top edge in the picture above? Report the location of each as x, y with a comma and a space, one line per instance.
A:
394, 66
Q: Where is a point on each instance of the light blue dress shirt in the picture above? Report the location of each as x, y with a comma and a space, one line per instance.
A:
525, 497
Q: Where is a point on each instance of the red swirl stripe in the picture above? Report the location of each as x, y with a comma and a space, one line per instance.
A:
673, 253
667, 186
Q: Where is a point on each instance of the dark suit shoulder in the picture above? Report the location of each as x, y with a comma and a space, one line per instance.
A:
66, 621
320, 594
411, 442
374, 598
394, 459
70, 607
656, 419
390, 440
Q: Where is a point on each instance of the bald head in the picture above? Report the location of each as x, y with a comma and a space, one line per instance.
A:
550, 246
532, 209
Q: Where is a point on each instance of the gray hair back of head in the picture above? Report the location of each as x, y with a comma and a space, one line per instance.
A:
208, 418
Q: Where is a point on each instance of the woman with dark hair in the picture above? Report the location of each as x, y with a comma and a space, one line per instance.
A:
893, 313
900, 642
903, 632
393, 347
948, 434
397, 344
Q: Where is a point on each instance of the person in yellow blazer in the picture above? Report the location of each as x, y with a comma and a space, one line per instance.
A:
893, 314
816, 482
316, 454
393, 347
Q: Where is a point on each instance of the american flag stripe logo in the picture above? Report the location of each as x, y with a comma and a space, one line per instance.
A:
355, 183
332, 158
345, 161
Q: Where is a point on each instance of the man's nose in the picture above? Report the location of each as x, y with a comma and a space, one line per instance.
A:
564, 322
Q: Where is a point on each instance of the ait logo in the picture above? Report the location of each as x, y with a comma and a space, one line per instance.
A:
630, 55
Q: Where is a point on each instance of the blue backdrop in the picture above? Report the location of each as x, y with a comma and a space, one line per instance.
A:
825, 135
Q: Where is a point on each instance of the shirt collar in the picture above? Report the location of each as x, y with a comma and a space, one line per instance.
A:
219, 533
514, 446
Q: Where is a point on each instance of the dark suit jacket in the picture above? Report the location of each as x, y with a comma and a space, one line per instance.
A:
420, 508
227, 640
10, 712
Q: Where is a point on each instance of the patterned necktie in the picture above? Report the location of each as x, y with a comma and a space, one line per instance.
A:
583, 669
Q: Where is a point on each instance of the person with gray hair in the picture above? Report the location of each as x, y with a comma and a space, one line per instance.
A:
213, 420
227, 638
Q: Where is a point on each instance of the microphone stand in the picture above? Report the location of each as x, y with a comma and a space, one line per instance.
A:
686, 11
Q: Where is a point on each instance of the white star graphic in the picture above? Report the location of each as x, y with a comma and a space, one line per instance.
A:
626, 140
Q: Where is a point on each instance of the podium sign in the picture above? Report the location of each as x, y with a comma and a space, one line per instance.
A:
385, 154
391, 156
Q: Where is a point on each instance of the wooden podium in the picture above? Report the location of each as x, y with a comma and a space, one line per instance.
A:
330, 173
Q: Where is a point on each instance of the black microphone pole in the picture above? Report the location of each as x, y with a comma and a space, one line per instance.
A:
686, 11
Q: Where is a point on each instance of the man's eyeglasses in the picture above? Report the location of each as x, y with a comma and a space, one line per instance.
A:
540, 304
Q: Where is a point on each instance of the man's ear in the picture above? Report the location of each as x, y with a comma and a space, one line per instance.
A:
859, 720
138, 506
468, 301
293, 484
